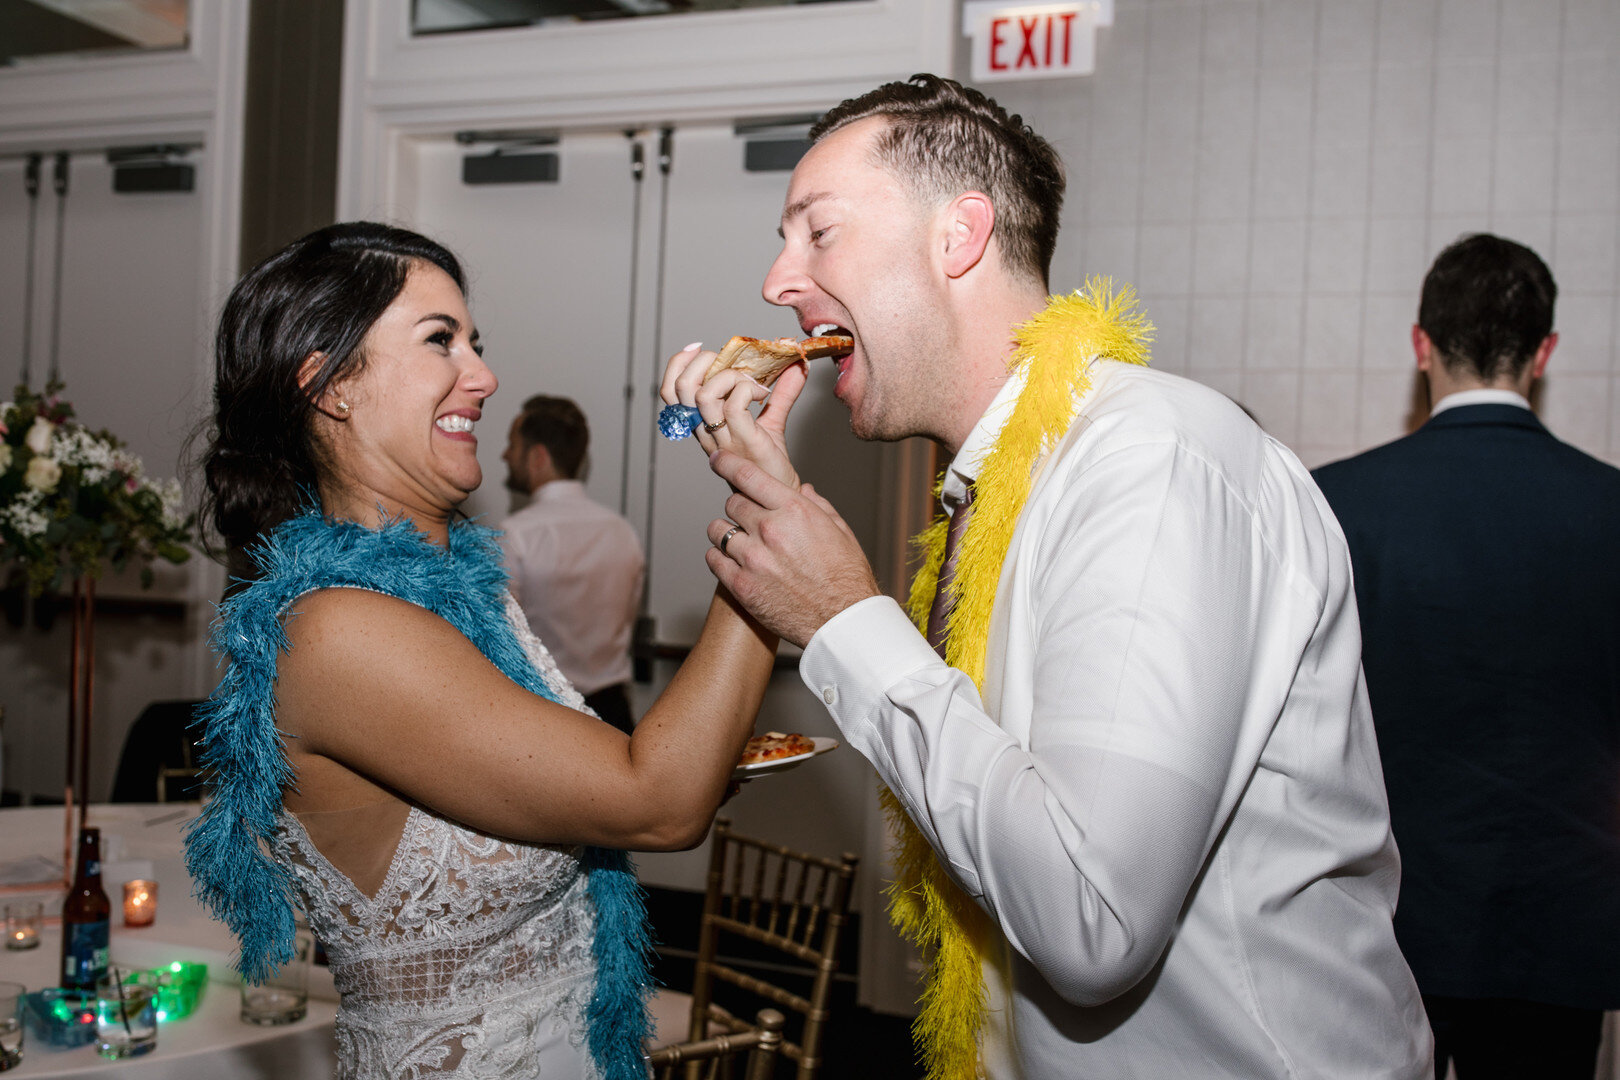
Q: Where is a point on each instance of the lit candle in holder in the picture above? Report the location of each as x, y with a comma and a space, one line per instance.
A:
22, 924
140, 902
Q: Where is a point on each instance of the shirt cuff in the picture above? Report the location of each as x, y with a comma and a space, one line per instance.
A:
861, 652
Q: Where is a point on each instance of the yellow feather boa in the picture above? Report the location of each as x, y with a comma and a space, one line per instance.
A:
1053, 350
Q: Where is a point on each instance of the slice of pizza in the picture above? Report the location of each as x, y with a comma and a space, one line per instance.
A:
773, 746
764, 360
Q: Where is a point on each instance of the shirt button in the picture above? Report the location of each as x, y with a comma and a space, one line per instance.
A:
829, 694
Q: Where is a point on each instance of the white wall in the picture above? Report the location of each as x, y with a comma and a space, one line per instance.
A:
1275, 177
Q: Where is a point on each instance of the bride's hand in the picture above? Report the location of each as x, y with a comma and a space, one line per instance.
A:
723, 402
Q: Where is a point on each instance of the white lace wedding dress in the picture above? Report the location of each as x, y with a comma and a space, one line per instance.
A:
471, 959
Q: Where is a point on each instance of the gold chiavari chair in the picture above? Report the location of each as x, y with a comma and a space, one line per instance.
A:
787, 901
711, 1059
186, 777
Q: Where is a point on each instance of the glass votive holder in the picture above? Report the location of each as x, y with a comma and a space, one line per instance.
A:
23, 918
140, 902
283, 998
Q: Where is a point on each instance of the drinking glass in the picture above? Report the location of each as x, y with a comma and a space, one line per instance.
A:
284, 997
126, 1014
11, 1032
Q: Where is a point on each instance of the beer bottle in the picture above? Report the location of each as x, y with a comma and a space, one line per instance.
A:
86, 919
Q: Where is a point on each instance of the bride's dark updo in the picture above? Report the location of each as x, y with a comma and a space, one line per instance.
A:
320, 295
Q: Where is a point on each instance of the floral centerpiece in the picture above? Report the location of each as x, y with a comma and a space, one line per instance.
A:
73, 501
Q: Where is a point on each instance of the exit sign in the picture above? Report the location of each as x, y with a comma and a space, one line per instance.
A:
1034, 41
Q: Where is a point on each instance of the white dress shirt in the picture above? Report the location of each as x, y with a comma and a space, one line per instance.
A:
1169, 797
576, 569
1484, 395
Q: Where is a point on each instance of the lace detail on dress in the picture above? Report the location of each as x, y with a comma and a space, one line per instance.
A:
473, 959
540, 656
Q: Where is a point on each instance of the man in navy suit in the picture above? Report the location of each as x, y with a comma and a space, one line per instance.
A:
1487, 566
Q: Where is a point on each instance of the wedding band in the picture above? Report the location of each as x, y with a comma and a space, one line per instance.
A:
711, 429
726, 539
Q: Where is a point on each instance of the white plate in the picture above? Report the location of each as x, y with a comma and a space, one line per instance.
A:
761, 768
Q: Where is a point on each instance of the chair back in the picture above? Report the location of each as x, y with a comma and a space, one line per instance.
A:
783, 900
157, 763
711, 1059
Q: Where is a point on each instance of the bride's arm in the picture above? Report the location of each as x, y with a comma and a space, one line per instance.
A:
397, 695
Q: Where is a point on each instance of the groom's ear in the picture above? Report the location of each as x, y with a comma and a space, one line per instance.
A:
967, 225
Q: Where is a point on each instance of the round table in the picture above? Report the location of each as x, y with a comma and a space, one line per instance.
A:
144, 841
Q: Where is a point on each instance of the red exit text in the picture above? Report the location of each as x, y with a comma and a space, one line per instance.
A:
1032, 42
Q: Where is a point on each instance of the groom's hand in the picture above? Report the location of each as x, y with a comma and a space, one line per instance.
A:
794, 564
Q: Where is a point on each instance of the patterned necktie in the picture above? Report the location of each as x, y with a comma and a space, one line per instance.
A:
947, 571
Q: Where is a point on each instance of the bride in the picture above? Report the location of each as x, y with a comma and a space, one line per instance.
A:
391, 749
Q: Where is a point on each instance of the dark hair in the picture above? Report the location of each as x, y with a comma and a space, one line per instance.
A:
945, 138
1487, 306
557, 424
321, 294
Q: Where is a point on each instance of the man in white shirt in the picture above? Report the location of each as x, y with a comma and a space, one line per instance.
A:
1489, 597
576, 567
1164, 791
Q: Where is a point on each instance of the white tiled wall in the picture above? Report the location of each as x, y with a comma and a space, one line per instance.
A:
1275, 177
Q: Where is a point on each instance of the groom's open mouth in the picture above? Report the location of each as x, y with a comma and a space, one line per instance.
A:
829, 329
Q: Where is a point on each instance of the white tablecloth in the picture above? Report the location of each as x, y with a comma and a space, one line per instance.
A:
211, 1044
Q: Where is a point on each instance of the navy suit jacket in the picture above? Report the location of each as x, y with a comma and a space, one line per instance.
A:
1487, 570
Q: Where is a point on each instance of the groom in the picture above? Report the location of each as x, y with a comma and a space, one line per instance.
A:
1148, 772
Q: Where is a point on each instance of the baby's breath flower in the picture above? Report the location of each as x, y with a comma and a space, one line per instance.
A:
29, 523
85, 492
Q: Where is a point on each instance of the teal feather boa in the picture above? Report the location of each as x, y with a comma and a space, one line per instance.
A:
244, 755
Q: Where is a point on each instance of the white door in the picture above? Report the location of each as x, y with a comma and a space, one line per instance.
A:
549, 266
554, 278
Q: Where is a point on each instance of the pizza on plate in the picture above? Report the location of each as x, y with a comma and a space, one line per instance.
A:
773, 745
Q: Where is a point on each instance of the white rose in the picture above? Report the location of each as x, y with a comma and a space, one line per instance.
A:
39, 436
5, 457
42, 474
